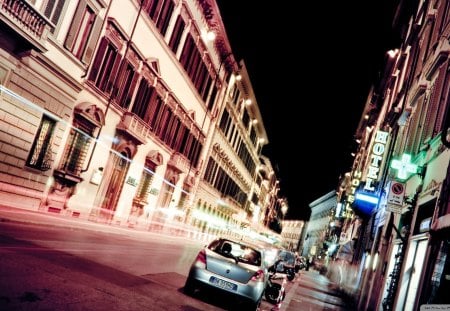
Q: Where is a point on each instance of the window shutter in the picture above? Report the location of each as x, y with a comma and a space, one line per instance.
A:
442, 100
437, 23
73, 30
92, 41
98, 60
433, 105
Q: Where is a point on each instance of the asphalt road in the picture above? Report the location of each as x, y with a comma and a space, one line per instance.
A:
45, 267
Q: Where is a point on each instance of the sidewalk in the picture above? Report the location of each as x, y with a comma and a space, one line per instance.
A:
313, 291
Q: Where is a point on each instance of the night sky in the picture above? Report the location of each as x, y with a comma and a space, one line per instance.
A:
319, 60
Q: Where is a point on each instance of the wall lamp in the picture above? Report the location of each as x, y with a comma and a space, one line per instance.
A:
208, 35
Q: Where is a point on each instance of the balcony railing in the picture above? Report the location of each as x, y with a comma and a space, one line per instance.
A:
179, 161
134, 126
26, 21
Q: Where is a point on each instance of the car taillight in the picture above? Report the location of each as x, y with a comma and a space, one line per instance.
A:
201, 257
258, 276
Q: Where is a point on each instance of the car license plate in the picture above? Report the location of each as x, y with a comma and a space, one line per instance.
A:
223, 284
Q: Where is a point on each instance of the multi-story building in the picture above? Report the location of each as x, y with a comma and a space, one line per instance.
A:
292, 231
115, 110
319, 225
399, 185
229, 192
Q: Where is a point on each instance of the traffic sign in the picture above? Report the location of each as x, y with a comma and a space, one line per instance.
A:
396, 193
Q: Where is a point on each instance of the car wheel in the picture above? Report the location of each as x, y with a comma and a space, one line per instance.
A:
189, 287
254, 306
271, 295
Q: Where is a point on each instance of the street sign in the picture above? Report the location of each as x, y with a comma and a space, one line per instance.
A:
397, 209
396, 193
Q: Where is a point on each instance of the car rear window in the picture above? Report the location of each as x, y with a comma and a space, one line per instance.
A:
239, 251
287, 257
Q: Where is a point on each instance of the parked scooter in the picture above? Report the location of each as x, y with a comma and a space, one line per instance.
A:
275, 289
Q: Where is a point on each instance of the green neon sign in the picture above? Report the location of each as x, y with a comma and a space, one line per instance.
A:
404, 166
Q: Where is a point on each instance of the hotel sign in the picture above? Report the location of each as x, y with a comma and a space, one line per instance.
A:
376, 160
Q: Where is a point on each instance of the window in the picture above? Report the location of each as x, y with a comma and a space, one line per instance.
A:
195, 67
176, 34
416, 126
155, 107
126, 84
144, 186
160, 11
40, 156
76, 151
105, 66
145, 95
52, 10
84, 32
245, 118
87, 119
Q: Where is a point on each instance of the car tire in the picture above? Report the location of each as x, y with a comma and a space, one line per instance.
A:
254, 306
272, 294
189, 287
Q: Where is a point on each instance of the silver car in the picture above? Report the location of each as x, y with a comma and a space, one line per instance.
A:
233, 267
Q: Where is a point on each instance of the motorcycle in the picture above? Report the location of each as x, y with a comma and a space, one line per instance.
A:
275, 289
290, 272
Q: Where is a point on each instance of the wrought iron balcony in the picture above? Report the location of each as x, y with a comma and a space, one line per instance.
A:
30, 25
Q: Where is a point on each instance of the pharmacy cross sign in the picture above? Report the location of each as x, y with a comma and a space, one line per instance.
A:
404, 166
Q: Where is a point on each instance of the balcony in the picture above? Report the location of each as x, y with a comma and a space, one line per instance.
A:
134, 127
27, 25
179, 162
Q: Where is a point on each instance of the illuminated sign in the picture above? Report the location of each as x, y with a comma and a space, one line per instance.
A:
365, 203
366, 198
404, 166
355, 183
376, 159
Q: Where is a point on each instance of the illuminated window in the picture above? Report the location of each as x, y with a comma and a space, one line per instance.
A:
144, 187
